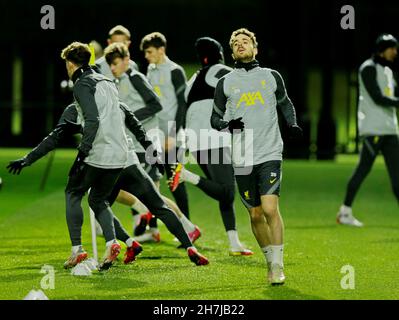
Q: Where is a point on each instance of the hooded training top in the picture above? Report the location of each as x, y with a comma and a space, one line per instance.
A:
136, 92
253, 93
169, 82
378, 99
199, 95
104, 139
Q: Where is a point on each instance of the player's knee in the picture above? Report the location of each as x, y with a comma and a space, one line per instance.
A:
228, 195
256, 215
97, 205
270, 210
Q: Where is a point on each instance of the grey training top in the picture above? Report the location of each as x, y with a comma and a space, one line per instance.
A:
253, 95
104, 139
136, 92
377, 101
169, 82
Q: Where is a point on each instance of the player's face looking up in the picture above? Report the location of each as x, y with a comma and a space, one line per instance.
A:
119, 66
243, 49
390, 54
154, 55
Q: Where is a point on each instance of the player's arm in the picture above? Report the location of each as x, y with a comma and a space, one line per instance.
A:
49, 143
219, 108
135, 127
84, 94
151, 100
179, 83
286, 106
369, 77
283, 101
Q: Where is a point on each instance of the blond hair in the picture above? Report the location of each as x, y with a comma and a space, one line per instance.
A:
245, 31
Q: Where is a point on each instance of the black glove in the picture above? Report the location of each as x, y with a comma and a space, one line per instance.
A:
295, 132
236, 124
16, 166
78, 165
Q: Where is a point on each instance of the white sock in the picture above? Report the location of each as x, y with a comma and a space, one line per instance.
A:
129, 242
268, 253
111, 242
345, 210
233, 239
187, 224
277, 254
190, 177
139, 207
76, 248
194, 248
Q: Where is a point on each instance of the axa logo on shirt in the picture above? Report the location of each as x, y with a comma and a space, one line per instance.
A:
250, 98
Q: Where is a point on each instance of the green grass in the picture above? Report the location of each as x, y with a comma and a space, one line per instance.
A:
33, 233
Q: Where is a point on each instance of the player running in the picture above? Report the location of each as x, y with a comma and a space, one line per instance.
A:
377, 122
245, 104
211, 148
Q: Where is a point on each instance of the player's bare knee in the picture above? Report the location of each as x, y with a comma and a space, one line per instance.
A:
256, 215
270, 211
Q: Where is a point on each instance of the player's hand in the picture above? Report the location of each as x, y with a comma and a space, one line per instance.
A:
78, 164
236, 125
295, 132
16, 166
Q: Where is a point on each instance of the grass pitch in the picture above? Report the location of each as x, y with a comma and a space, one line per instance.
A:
33, 233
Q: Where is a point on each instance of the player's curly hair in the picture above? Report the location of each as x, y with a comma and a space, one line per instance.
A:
77, 52
245, 31
154, 39
116, 50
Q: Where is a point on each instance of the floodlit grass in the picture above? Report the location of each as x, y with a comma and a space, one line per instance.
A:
33, 233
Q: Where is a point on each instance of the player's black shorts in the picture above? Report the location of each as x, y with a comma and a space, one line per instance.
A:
151, 170
265, 179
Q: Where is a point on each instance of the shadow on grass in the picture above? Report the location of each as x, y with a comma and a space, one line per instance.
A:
284, 292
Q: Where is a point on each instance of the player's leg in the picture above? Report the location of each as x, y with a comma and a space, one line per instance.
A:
275, 249
390, 150
250, 197
269, 183
369, 152
191, 229
133, 248
151, 198
101, 189
222, 182
76, 187
139, 211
